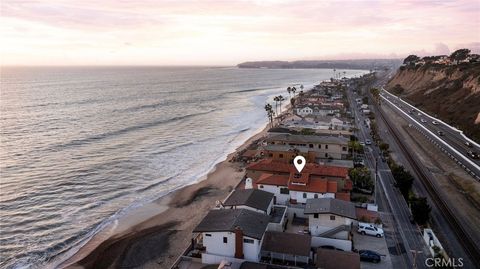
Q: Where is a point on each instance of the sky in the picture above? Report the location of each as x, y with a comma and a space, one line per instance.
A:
184, 32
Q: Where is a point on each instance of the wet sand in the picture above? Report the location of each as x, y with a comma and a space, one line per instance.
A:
156, 241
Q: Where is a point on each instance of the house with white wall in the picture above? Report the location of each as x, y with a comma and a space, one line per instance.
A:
329, 217
252, 199
304, 111
232, 235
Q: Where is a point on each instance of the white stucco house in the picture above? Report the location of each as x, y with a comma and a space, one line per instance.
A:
329, 217
252, 199
304, 111
232, 235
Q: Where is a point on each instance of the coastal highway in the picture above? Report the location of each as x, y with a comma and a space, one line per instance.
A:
409, 234
452, 141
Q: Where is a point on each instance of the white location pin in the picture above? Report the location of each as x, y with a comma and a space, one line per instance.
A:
299, 163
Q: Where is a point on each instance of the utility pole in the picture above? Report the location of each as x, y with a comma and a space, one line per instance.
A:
415, 252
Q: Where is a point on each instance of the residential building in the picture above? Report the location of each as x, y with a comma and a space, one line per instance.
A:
295, 248
334, 259
335, 147
232, 234
329, 217
251, 199
304, 111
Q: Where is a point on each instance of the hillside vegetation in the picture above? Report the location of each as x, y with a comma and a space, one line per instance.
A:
443, 86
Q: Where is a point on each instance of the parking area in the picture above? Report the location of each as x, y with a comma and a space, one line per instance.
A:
376, 244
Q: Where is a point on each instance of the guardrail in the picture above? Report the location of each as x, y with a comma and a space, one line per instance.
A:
433, 118
437, 141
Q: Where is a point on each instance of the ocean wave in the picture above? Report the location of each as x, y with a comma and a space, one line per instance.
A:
99, 137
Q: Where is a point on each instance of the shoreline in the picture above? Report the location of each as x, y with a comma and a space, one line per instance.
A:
158, 232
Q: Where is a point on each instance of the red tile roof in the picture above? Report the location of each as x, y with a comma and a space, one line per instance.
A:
332, 186
301, 178
270, 179
317, 185
269, 165
370, 216
345, 196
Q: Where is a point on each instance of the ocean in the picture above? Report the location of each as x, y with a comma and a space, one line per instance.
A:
80, 146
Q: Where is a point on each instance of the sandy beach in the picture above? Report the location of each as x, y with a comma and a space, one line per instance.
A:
154, 236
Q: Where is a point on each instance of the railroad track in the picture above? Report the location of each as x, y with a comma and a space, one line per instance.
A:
463, 236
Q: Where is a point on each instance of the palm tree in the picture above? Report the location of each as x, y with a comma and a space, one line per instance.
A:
270, 113
276, 104
289, 90
280, 99
294, 90
301, 87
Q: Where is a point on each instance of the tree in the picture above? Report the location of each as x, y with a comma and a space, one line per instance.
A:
301, 87
376, 94
289, 90
411, 59
384, 146
459, 55
270, 113
276, 104
420, 210
403, 179
280, 100
294, 90
292, 102
361, 178
307, 131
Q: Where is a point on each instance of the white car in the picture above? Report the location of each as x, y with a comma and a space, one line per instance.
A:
369, 229
368, 142
435, 122
423, 121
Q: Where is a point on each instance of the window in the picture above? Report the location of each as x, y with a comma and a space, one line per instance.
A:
284, 191
270, 155
260, 186
315, 215
249, 241
311, 145
280, 155
209, 235
315, 195
326, 155
304, 195
326, 146
344, 148
225, 240
332, 217
319, 146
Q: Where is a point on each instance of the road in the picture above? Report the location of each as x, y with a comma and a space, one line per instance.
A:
409, 233
452, 141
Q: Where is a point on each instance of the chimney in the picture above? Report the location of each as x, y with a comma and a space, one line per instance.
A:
248, 184
238, 243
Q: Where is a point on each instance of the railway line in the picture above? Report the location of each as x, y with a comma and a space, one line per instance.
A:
468, 243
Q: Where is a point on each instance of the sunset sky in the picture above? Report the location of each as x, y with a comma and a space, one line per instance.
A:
155, 32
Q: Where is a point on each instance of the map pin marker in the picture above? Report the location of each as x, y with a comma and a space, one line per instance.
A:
299, 163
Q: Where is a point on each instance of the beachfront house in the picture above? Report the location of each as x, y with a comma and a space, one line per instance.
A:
304, 111
252, 199
290, 187
232, 235
320, 146
329, 217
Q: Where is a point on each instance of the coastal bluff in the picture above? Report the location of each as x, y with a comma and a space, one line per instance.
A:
451, 92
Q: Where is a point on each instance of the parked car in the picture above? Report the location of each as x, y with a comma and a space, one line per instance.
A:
419, 114
369, 256
423, 121
473, 154
440, 133
362, 144
435, 122
369, 229
368, 142
468, 144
